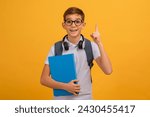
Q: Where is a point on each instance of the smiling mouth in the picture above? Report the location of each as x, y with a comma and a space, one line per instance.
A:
73, 30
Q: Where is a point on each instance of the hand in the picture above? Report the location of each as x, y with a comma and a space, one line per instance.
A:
73, 88
96, 35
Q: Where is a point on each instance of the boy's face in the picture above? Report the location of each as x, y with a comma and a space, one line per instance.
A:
73, 24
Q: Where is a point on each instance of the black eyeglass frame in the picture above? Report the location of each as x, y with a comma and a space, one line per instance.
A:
73, 22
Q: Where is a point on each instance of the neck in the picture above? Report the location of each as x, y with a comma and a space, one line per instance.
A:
74, 40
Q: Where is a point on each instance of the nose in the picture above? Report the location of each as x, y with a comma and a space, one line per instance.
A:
73, 24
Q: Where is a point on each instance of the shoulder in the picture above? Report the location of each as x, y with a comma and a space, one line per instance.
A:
58, 42
51, 51
93, 44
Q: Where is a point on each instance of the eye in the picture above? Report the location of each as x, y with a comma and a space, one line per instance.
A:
78, 21
68, 21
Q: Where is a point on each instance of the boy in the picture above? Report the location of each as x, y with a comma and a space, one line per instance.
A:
73, 24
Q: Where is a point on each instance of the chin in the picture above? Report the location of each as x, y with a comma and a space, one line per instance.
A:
74, 35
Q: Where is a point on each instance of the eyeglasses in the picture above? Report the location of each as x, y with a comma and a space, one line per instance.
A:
77, 22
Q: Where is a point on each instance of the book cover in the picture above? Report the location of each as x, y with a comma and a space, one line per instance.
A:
62, 69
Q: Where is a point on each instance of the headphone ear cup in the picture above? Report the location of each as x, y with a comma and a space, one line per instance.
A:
80, 45
66, 46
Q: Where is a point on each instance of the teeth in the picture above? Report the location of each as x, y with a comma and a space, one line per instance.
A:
73, 30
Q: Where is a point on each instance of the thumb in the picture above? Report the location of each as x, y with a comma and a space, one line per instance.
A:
91, 35
75, 81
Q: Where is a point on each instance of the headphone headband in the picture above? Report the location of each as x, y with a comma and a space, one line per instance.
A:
67, 36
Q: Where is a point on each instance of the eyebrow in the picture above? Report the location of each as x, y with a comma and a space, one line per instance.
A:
73, 20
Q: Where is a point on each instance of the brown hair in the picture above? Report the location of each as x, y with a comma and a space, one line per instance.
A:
74, 10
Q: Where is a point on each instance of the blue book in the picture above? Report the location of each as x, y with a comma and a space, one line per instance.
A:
62, 69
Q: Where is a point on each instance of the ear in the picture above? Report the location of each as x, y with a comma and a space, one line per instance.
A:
83, 25
63, 25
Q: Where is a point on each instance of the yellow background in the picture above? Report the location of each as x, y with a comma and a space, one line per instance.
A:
28, 28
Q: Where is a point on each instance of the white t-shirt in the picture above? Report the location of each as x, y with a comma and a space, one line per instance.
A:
82, 69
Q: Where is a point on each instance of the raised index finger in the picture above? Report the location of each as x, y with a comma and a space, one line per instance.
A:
96, 28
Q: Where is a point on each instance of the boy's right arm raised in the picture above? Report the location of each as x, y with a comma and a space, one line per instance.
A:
47, 81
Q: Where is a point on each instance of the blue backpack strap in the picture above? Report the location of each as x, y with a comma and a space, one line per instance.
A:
58, 48
89, 53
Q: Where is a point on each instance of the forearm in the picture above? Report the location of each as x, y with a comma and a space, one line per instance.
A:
49, 82
70, 87
104, 61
